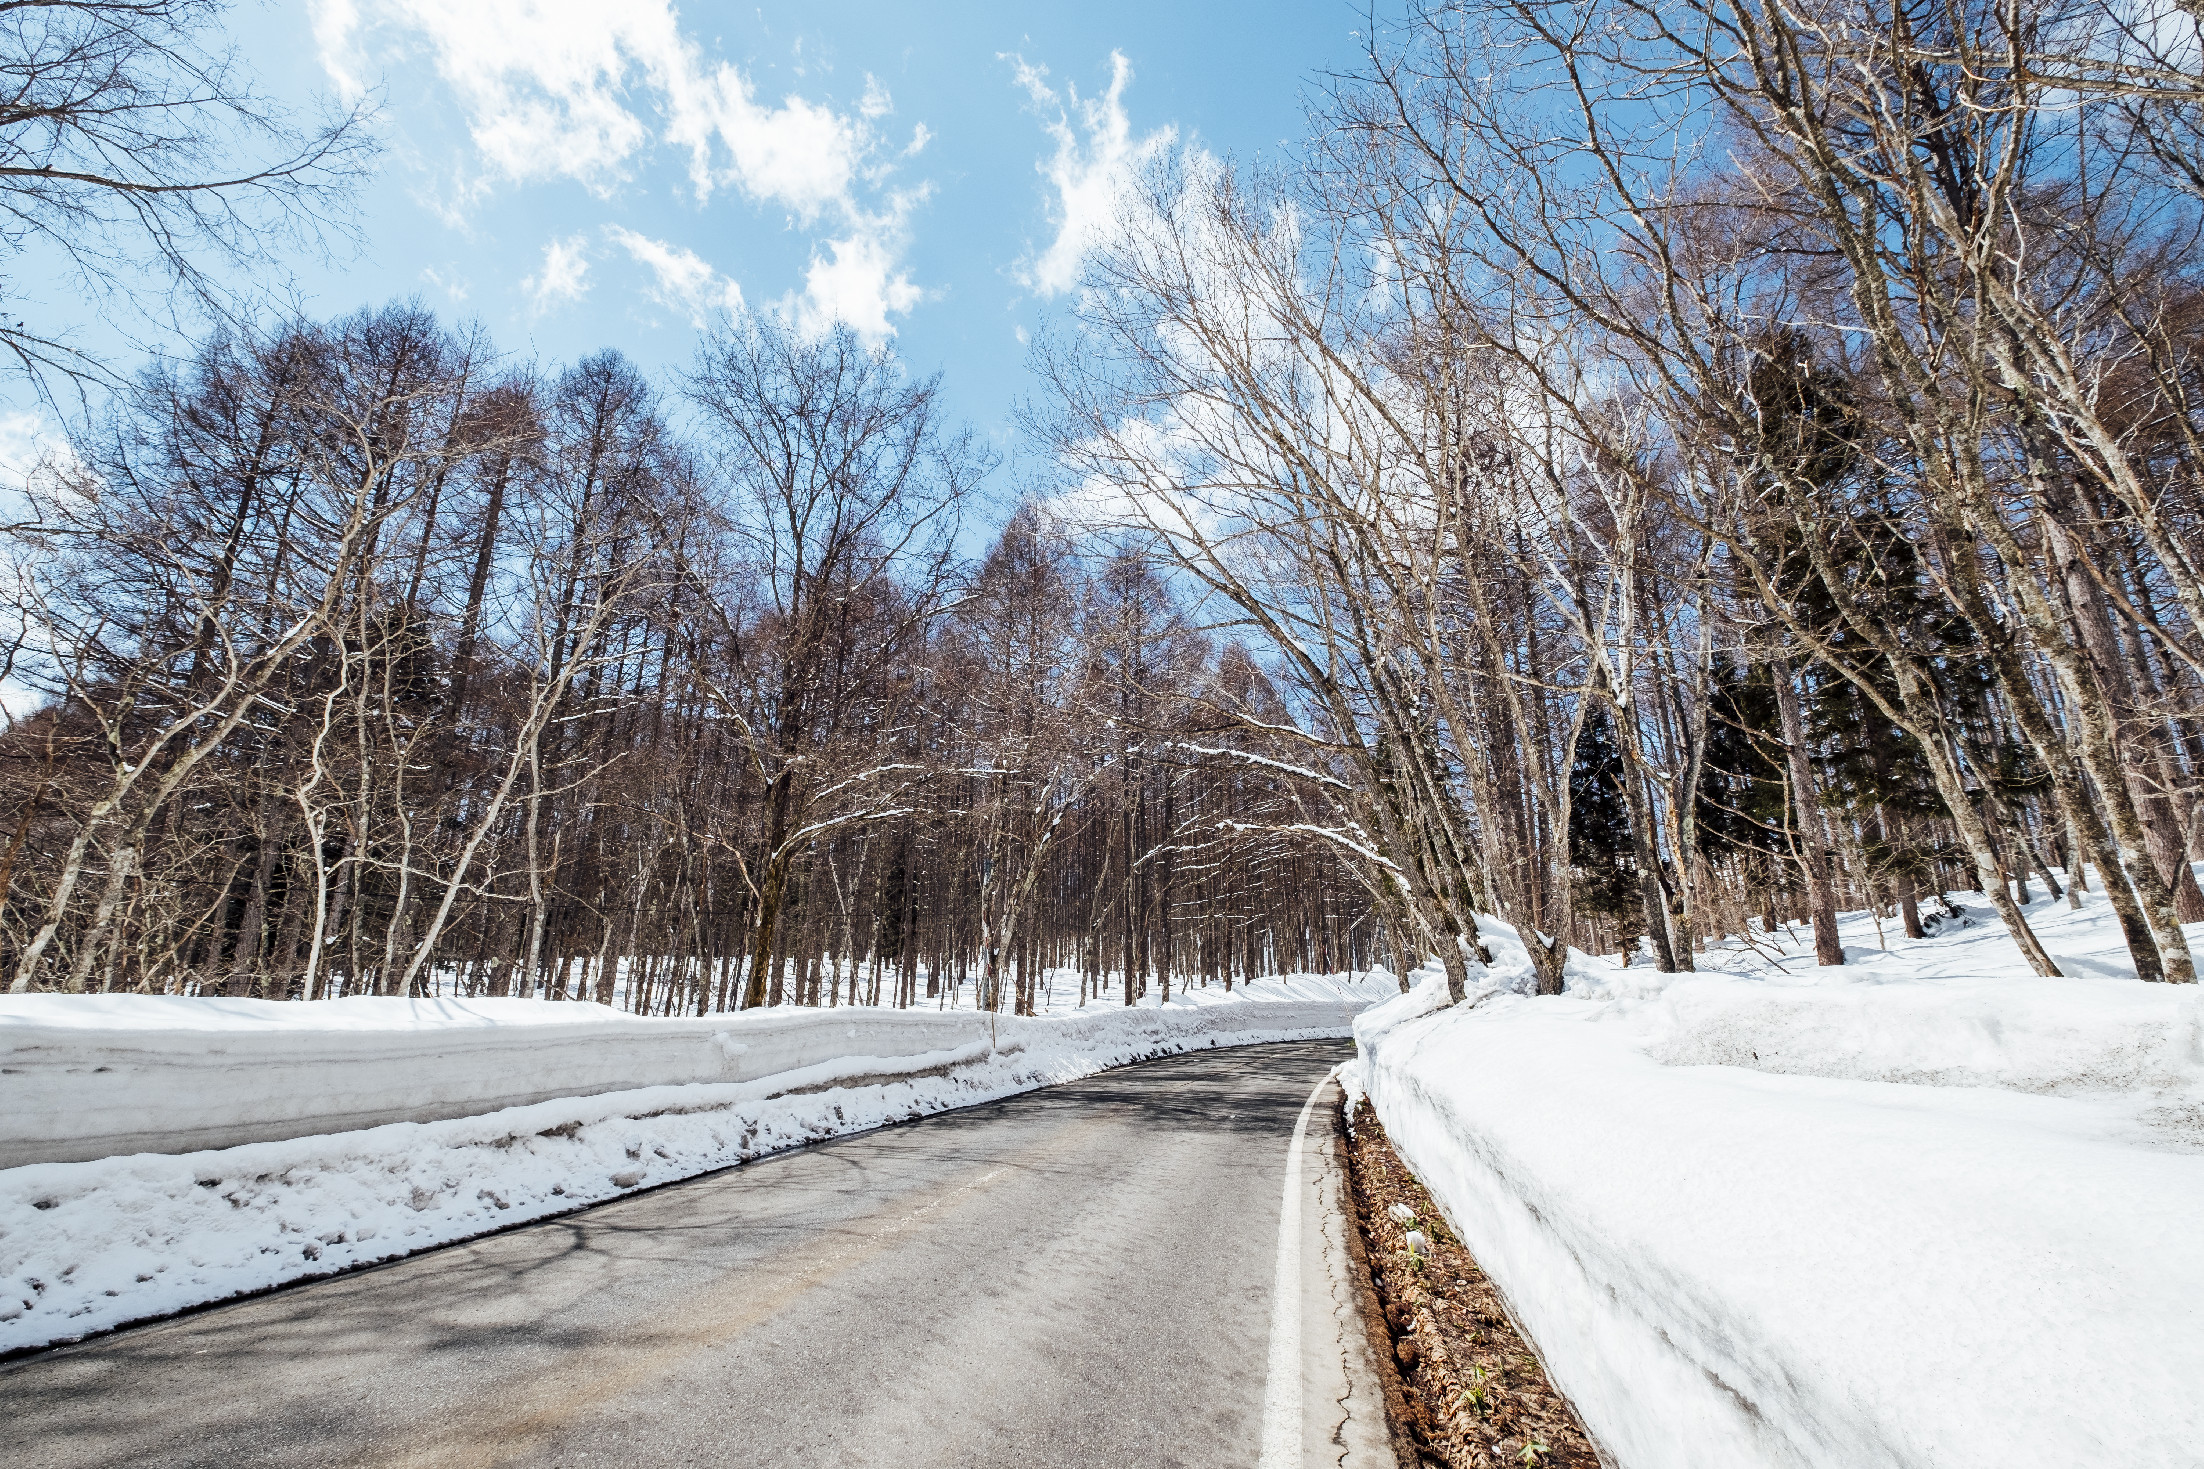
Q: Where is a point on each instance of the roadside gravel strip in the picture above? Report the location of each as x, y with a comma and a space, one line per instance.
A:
1086, 1274
1472, 1392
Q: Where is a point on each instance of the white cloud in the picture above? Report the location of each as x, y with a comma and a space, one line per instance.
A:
583, 90
682, 280
450, 282
1092, 162
335, 24
855, 282
564, 275
799, 155
549, 86
30, 443
541, 82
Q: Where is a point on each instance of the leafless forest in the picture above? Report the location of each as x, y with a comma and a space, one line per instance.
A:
389, 669
1642, 472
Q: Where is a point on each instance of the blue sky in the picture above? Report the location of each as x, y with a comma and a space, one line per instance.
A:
578, 174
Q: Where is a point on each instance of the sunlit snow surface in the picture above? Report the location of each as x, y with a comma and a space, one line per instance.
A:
94, 1244
1926, 1209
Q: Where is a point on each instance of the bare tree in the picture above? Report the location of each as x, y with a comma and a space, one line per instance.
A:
134, 149
844, 493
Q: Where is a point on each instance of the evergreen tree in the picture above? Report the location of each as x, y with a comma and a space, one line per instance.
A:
1603, 864
1742, 789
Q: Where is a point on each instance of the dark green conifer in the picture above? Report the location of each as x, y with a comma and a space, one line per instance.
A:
1603, 864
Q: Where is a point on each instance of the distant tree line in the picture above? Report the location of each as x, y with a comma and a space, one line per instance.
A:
379, 666
1651, 471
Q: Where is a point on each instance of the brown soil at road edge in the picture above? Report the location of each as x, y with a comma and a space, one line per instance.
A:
1463, 1390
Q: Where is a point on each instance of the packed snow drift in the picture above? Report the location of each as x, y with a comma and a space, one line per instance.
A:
91, 1076
1926, 1209
93, 1243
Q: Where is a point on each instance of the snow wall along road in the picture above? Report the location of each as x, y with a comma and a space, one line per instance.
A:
1928, 1211
85, 1077
166, 1153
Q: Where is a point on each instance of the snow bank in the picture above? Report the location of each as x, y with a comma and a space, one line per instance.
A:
87, 1245
92, 1076
1924, 1210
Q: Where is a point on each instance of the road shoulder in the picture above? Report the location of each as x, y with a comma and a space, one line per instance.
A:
1345, 1384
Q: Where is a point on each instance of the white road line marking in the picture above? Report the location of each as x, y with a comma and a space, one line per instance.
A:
1282, 1393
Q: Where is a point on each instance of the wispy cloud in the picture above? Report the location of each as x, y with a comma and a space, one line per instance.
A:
563, 276
681, 279
30, 444
800, 155
448, 280
550, 89
582, 90
1096, 154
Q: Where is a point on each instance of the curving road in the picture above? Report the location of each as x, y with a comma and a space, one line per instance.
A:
1096, 1274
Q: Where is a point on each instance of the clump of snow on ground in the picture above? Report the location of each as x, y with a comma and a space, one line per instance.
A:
89, 1245
1926, 1209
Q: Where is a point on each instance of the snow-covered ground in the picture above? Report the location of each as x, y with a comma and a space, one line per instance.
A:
1926, 1209
92, 1076
94, 1243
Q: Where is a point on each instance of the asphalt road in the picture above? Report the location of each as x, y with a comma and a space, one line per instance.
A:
1110, 1273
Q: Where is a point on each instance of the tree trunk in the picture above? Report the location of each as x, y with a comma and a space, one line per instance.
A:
1813, 852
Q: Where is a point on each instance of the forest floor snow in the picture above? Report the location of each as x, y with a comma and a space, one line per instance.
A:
87, 1246
1926, 1209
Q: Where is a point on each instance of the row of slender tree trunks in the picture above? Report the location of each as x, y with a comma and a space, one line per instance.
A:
1547, 518
377, 667
1689, 461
